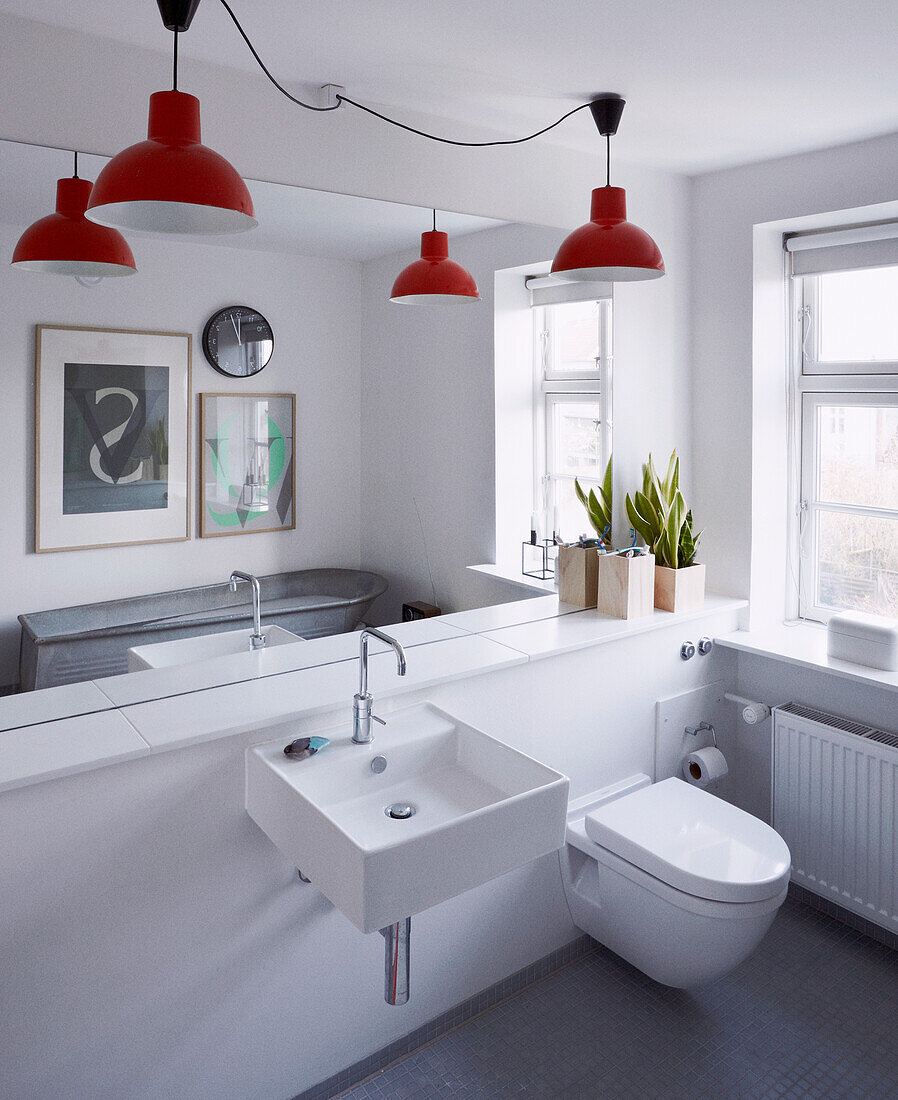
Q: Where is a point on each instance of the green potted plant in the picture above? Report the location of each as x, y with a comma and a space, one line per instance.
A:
660, 517
577, 565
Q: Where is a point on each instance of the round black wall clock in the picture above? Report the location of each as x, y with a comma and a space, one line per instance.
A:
238, 341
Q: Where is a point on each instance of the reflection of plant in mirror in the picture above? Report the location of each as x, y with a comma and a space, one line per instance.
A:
660, 516
598, 506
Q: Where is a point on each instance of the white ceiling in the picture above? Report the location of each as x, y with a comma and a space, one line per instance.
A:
709, 82
291, 219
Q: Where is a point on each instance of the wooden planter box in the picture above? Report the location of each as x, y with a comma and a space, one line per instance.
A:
578, 575
626, 585
679, 589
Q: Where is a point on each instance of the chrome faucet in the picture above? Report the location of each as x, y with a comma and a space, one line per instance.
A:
361, 703
257, 638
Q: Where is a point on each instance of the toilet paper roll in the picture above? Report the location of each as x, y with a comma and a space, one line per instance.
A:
704, 766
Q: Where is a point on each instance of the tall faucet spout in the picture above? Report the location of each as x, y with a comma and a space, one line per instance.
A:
361, 706
258, 639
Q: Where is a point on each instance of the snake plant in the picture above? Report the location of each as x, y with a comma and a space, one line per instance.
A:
598, 506
660, 516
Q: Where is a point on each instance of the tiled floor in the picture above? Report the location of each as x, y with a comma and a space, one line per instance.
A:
814, 1013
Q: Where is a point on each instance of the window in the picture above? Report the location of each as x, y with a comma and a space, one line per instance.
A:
571, 406
846, 390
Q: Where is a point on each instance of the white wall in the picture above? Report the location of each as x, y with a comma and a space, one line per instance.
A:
313, 306
156, 944
738, 387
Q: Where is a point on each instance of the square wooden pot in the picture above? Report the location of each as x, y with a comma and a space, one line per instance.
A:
626, 585
578, 575
679, 589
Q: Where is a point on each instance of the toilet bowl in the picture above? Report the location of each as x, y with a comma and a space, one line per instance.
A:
673, 879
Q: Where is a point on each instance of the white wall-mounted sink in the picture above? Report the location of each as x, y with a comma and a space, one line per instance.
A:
481, 809
183, 651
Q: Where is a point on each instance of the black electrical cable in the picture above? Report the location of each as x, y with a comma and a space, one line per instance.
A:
264, 67
341, 99
75, 173
174, 69
451, 141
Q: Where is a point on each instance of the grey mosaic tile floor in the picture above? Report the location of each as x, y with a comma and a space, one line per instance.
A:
814, 1013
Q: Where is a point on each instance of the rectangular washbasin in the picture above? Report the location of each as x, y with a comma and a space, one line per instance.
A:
481, 808
183, 651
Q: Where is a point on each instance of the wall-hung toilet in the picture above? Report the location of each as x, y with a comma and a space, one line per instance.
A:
673, 879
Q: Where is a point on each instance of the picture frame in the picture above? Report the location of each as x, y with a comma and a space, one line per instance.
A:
247, 463
112, 437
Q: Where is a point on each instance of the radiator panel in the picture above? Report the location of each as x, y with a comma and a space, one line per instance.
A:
834, 803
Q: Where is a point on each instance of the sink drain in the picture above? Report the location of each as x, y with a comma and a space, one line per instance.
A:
399, 811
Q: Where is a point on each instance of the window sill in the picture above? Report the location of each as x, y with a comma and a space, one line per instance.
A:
804, 645
516, 578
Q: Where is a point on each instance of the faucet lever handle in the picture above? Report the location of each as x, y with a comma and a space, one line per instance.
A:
376, 719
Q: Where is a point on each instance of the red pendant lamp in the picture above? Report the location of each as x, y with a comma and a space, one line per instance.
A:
66, 243
172, 183
434, 279
608, 248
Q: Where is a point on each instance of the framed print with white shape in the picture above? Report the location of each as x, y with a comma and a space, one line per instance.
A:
247, 471
112, 431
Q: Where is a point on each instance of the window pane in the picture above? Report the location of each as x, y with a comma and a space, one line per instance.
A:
575, 337
857, 563
572, 519
858, 318
858, 454
577, 437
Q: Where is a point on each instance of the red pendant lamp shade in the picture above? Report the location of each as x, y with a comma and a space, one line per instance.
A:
434, 279
172, 183
66, 243
608, 248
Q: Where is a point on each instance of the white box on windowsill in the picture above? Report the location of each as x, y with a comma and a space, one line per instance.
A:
870, 640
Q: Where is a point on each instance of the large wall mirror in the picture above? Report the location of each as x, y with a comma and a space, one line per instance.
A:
394, 424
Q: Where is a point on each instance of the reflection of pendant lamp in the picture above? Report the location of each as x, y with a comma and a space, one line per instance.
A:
171, 183
66, 243
434, 279
608, 248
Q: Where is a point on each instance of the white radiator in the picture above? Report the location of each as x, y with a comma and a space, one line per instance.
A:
835, 803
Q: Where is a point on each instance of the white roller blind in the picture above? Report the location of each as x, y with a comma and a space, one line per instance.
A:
844, 249
546, 291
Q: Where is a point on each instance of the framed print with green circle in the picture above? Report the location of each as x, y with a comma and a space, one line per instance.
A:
247, 463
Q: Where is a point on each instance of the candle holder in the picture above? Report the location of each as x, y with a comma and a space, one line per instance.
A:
540, 559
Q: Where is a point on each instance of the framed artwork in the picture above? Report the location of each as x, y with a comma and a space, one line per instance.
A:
247, 470
112, 437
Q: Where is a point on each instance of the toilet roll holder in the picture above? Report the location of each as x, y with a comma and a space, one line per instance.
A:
703, 727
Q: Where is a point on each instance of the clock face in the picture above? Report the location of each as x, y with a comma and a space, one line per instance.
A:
238, 341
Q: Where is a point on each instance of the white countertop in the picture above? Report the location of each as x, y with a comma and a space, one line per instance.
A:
169, 708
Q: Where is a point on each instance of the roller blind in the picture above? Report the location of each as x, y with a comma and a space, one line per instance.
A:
546, 291
844, 249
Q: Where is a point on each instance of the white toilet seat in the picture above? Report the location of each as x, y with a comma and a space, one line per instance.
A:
672, 879
694, 842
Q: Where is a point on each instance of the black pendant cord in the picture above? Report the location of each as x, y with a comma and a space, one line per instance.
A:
75, 173
264, 67
608, 160
341, 99
434, 221
452, 141
174, 76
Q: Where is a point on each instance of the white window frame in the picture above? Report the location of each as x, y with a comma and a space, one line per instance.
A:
552, 385
814, 385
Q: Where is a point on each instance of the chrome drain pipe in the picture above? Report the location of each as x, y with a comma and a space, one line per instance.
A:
396, 961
